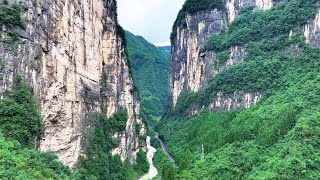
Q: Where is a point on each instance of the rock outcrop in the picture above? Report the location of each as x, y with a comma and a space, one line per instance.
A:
312, 30
63, 53
191, 65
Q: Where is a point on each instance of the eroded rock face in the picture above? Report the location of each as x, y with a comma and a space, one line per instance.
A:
190, 65
233, 6
312, 30
235, 101
62, 54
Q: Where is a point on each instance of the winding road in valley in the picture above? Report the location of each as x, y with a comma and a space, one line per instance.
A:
164, 148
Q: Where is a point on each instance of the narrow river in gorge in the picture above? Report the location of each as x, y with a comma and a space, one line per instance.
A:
153, 172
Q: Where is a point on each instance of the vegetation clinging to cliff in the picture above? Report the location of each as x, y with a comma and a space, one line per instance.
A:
10, 15
253, 26
20, 129
192, 7
20, 118
99, 162
262, 40
278, 138
20, 163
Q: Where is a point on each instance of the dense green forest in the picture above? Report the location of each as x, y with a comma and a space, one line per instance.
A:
20, 130
278, 138
166, 50
150, 69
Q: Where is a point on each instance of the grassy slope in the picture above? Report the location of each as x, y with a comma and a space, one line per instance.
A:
150, 68
279, 138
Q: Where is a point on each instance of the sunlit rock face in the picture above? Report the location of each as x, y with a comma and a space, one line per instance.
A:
192, 66
312, 30
233, 6
62, 54
188, 63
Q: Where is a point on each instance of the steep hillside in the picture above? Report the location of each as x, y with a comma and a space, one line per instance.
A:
166, 50
70, 55
150, 69
244, 85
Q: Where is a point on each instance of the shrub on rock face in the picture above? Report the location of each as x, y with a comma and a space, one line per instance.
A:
142, 165
10, 16
20, 118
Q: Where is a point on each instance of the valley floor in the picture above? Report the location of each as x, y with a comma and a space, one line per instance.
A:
153, 172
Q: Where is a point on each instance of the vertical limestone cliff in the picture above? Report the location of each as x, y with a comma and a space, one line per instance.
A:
312, 30
188, 65
191, 65
63, 53
233, 6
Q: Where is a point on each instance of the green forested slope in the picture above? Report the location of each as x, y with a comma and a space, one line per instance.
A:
150, 69
278, 138
166, 50
20, 128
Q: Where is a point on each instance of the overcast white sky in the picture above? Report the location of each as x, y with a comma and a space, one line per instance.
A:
152, 19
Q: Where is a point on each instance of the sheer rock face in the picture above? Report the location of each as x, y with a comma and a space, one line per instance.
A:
191, 66
62, 54
235, 101
312, 30
222, 102
233, 6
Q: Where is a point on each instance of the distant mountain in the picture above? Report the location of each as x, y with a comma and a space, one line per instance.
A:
166, 50
150, 69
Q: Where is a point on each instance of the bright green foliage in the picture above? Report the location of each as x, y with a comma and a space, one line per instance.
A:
10, 15
20, 121
150, 67
117, 123
168, 171
278, 138
99, 163
193, 7
255, 26
19, 116
268, 56
166, 168
222, 57
142, 165
19, 163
